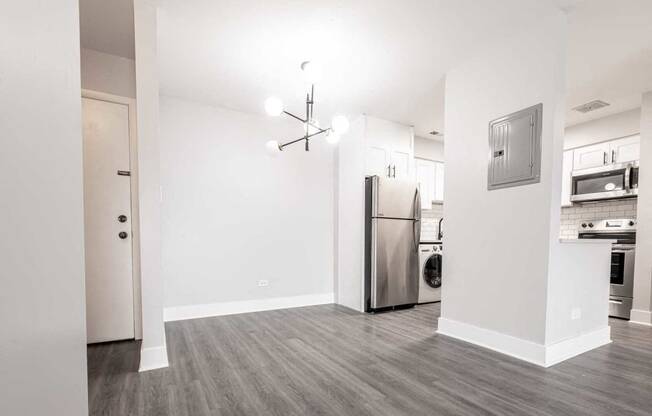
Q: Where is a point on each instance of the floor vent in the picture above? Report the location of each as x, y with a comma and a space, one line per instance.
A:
591, 106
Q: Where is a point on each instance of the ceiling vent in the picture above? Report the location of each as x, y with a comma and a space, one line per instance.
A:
591, 106
435, 133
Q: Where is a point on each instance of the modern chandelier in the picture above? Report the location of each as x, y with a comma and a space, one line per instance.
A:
274, 107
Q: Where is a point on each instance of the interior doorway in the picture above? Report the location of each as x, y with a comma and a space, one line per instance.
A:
110, 218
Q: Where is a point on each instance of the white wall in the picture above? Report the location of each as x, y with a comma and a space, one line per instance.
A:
428, 149
108, 73
42, 300
232, 215
502, 254
643, 268
512, 246
350, 217
153, 350
607, 128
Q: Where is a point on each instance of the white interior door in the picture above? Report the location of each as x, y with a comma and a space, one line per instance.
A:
108, 240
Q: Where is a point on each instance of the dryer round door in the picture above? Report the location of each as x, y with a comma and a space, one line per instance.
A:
432, 271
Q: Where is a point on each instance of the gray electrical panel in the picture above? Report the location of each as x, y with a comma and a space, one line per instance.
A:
515, 149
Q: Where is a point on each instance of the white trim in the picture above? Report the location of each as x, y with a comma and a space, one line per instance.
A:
570, 348
532, 352
153, 358
135, 215
516, 347
641, 317
179, 313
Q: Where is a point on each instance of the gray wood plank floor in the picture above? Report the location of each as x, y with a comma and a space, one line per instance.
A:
328, 360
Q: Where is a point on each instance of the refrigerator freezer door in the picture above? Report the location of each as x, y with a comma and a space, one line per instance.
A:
394, 262
394, 198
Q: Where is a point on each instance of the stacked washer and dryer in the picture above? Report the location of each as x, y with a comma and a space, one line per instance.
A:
430, 260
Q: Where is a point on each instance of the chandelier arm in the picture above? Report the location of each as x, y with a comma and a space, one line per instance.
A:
293, 116
281, 146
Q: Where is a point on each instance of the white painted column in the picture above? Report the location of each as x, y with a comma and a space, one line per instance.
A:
641, 312
153, 350
509, 284
42, 297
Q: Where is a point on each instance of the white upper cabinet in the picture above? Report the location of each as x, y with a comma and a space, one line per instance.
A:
425, 175
378, 161
389, 148
626, 150
400, 162
606, 153
591, 156
439, 182
430, 177
567, 168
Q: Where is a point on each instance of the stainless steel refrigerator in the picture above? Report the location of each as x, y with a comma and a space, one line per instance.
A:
392, 233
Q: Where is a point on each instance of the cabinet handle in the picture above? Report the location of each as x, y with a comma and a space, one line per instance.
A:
394, 173
389, 171
613, 156
604, 158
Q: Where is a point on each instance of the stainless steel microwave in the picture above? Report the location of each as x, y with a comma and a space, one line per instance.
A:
605, 182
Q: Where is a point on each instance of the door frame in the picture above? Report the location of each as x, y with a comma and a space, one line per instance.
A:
135, 213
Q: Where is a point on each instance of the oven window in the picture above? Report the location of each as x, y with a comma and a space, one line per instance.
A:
617, 268
596, 184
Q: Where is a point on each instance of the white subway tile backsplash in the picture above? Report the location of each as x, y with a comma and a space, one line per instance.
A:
571, 217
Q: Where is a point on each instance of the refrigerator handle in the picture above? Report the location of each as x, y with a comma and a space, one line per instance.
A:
416, 231
416, 225
417, 204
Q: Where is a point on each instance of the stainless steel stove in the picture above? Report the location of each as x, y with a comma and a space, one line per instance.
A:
623, 231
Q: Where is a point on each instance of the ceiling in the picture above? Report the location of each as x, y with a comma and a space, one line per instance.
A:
386, 58
107, 26
381, 57
609, 56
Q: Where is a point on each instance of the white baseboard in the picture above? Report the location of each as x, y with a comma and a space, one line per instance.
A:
532, 352
569, 348
153, 358
178, 313
516, 347
641, 317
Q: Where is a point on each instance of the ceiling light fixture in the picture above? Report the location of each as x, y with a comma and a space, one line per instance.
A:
274, 107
